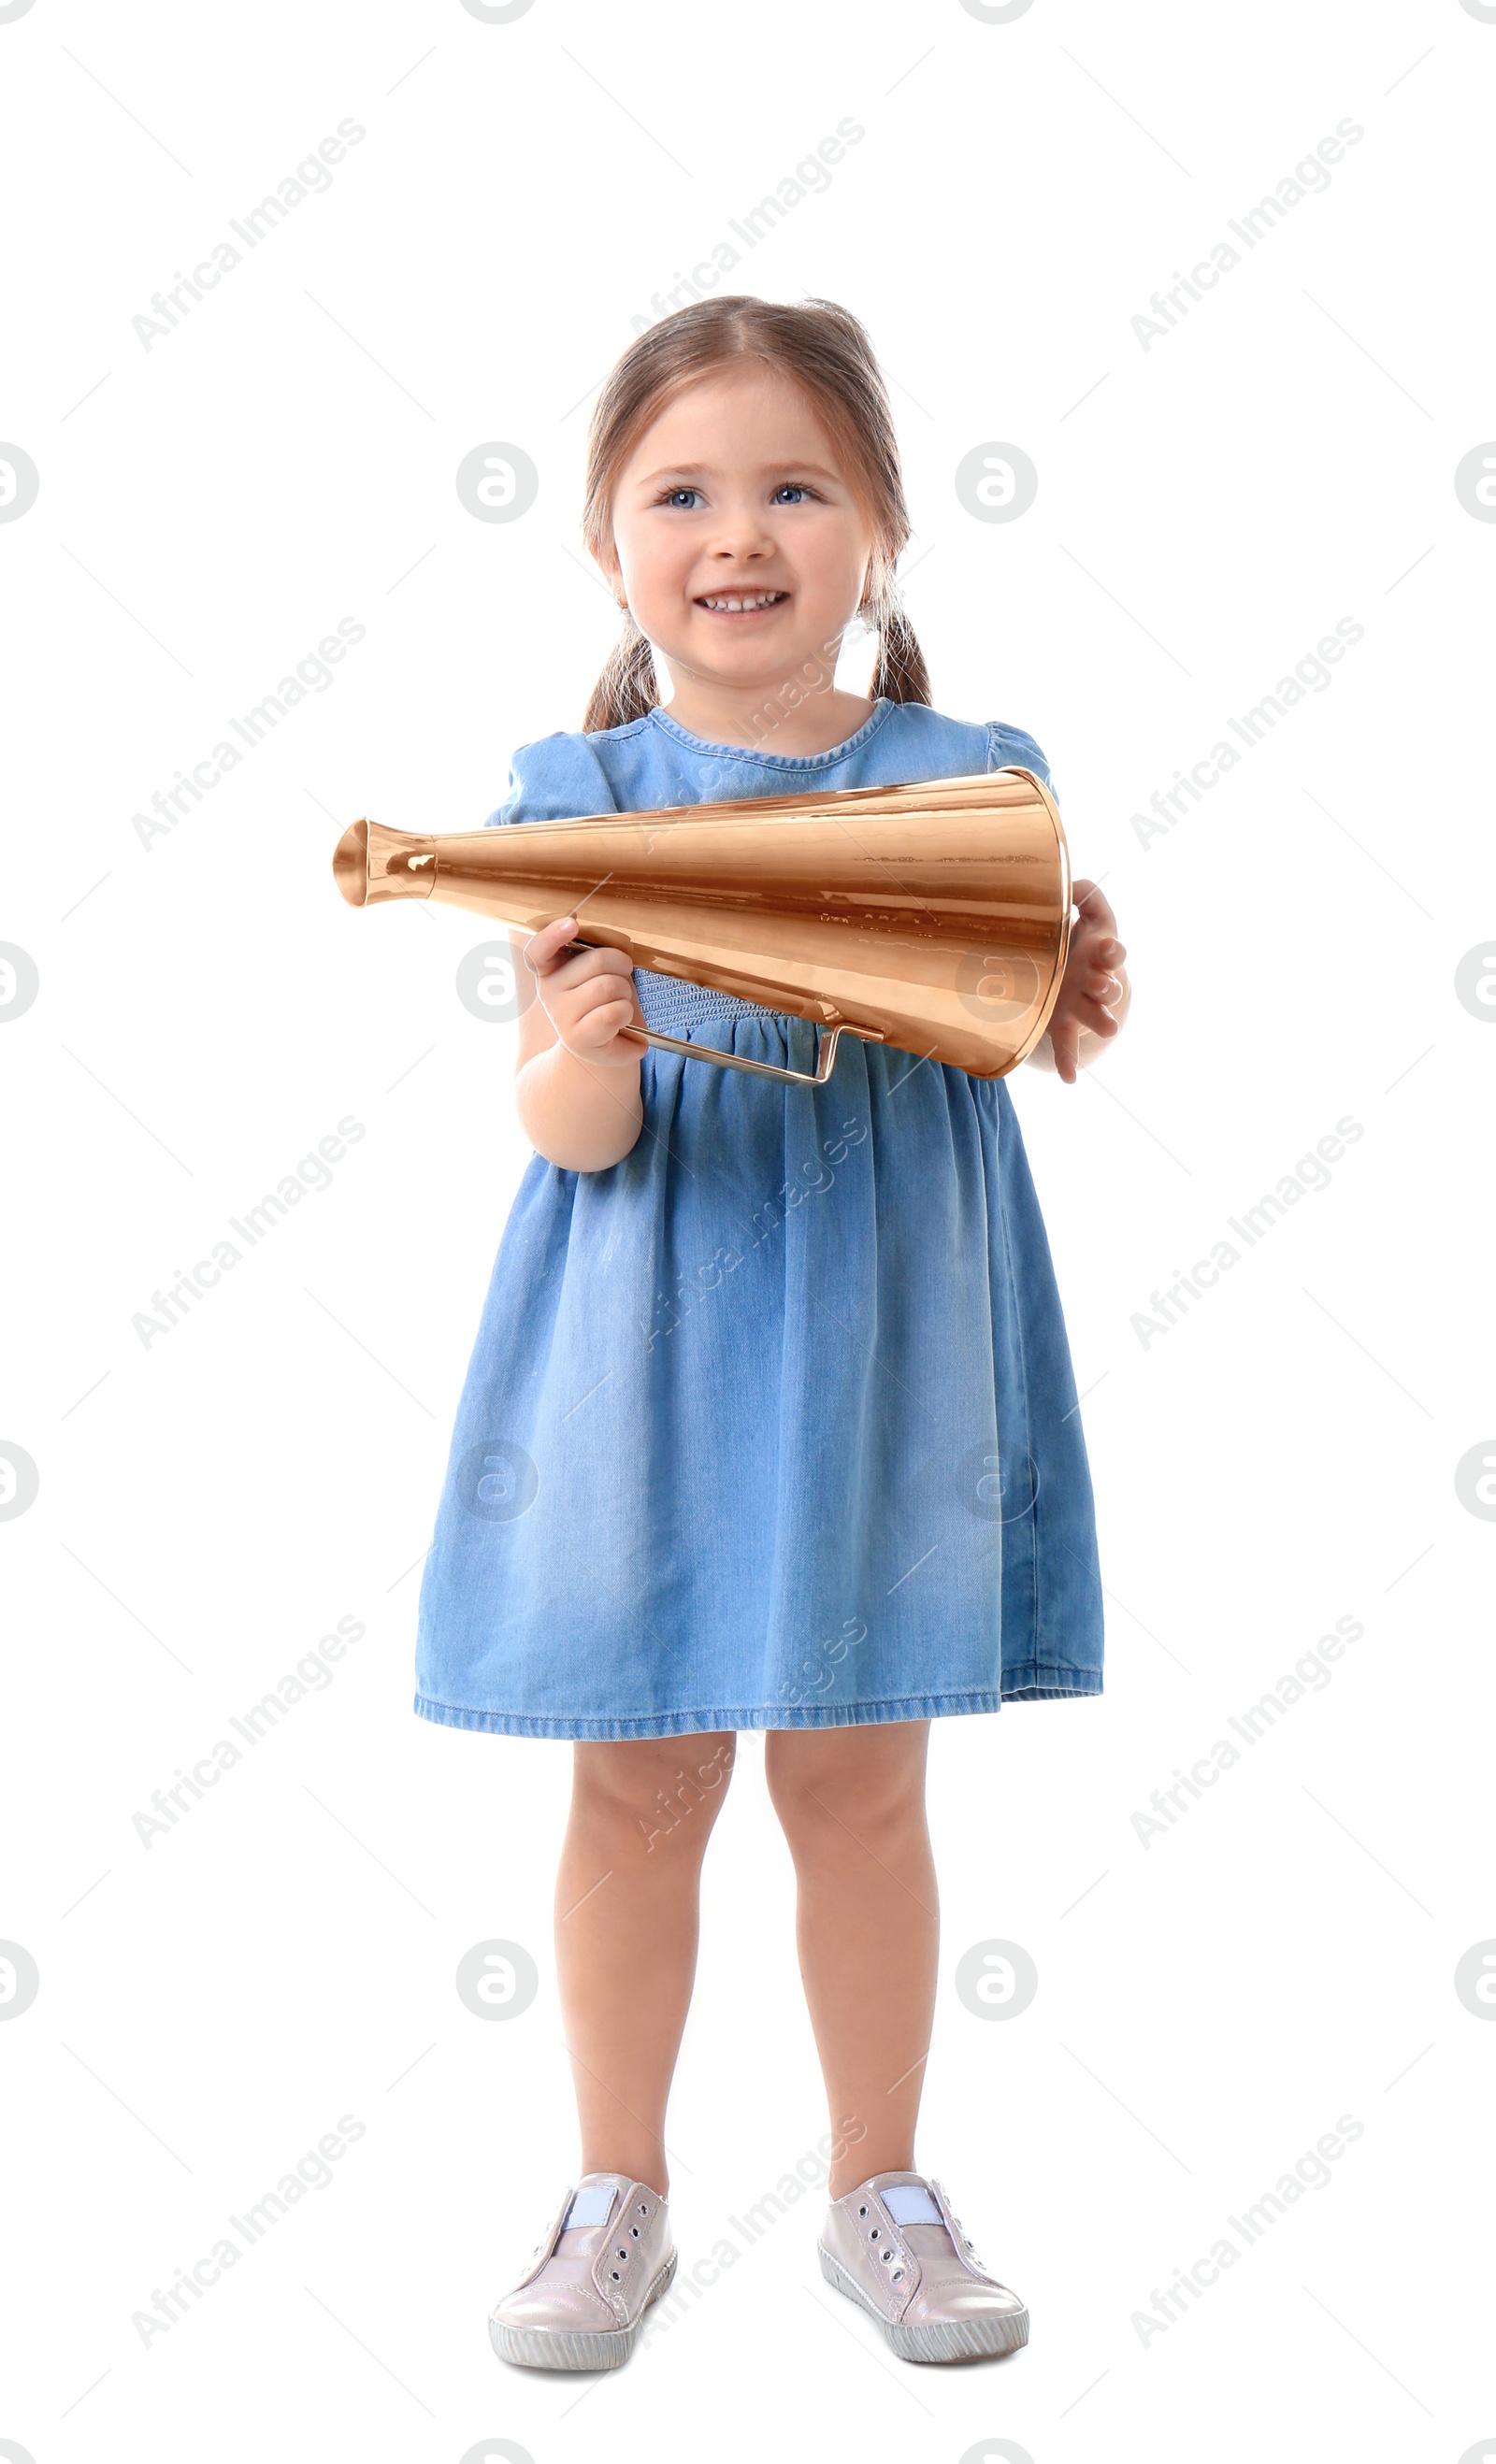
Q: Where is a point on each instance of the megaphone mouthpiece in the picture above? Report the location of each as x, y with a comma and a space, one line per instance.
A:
351, 863
371, 865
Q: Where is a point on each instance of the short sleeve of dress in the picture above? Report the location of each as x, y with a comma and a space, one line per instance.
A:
556, 779
1010, 747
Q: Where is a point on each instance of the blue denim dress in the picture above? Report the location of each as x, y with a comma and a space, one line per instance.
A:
773, 1424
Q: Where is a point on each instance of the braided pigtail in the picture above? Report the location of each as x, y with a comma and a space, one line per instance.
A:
901, 674
627, 688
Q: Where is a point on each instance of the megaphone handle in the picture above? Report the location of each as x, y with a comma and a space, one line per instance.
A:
825, 1055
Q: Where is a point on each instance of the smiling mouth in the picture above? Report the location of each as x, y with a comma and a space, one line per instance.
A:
743, 602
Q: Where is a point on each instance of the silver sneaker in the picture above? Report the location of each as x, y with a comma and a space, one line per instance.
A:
605, 2257
895, 2247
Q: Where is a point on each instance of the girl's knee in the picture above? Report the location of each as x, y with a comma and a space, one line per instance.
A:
846, 1779
655, 1784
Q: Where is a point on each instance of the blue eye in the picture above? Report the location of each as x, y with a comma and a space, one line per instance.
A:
791, 493
677, 494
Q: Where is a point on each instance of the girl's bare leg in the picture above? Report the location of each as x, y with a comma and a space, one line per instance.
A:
627, 1897
852, 1803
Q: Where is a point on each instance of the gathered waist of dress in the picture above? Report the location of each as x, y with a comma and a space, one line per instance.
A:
671, 1006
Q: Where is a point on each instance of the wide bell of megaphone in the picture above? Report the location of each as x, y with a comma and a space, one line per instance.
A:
934, 917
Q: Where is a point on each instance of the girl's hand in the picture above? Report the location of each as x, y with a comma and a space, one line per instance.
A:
587, 994
1094, 994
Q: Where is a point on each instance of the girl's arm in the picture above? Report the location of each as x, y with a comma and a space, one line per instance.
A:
576, 1081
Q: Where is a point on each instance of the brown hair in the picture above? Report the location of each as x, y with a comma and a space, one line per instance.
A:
824, 350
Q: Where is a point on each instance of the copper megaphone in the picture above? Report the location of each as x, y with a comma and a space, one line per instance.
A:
934, 917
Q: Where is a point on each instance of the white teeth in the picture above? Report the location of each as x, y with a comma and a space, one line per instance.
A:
735, 607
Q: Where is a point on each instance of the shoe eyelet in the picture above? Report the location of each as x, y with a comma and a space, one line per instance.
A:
861, 2211
623, 2254
874, 2233
887, 2255
634, 2230
614, 2272
897, 2275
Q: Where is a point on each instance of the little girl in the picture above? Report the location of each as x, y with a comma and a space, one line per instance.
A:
771, 1422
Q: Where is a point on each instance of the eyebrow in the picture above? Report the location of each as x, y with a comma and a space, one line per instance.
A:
704, 470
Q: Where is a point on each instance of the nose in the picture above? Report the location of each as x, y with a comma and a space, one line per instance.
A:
740, 547
741, 537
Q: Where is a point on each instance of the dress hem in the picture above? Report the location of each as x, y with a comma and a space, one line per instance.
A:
1031, 1684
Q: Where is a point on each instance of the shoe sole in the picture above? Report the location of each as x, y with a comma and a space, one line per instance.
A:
569, 2348
963, 2339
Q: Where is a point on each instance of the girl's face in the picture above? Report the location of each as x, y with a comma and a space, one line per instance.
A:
738, 540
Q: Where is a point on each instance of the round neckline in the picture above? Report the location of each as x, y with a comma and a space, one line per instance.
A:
661, 718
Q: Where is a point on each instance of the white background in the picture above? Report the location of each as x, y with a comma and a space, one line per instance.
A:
210, 1505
